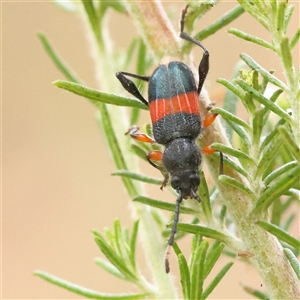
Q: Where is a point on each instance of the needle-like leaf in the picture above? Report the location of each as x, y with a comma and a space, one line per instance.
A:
90, 294
98, 96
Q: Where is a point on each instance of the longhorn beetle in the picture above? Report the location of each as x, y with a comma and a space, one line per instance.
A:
174, 109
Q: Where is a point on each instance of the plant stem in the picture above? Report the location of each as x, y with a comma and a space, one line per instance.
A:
267, 254
154, 26
153, 243
266, 251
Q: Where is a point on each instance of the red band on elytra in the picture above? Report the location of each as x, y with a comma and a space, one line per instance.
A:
186, 102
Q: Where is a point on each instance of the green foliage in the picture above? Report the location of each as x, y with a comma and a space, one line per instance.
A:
87, 293
260, 184
97, 96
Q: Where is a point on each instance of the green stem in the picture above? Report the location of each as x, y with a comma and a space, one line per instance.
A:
155, 27
115, 118
266, 252
222, 22
283, 50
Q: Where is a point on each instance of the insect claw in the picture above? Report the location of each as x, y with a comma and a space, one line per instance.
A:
195, 196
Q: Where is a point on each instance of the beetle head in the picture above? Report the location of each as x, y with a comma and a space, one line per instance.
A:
187, 183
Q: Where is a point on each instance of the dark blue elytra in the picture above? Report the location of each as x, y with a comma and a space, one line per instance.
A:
171, 80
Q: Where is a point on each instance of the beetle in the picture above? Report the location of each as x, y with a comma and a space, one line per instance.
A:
174, 109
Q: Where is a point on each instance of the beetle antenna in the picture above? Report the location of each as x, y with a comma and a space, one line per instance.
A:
174, 229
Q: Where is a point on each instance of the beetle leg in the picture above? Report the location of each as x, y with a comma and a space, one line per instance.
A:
139, 136
157, 155
154, 155
209, 119
204, 63
208, 151
129, 85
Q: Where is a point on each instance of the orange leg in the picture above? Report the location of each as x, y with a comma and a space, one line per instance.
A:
157, 155
209, 120
208, 151
154, 155
139, 136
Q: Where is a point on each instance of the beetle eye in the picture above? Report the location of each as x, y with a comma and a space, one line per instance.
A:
175, 182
